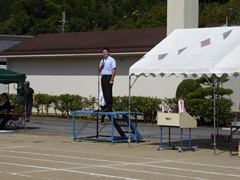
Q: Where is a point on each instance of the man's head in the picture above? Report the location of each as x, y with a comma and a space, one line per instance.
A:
105, 52
27, 83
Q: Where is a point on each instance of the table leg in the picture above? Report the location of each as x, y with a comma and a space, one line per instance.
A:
161, 137
73, 126
160, 146
112, 124
169, 136
189, 138
181, 138
231, 133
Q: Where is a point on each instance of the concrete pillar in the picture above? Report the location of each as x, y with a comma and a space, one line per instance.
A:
182, 14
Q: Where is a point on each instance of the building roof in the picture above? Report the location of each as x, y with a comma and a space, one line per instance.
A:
7, 41
119, 41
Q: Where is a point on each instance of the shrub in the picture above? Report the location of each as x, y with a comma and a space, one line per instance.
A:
185, 87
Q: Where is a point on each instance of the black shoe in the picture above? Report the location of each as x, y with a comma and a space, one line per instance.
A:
107, 110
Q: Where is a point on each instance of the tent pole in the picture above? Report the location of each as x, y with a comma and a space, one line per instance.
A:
98, 102
214, 113
129, 115
25, 107
129, 109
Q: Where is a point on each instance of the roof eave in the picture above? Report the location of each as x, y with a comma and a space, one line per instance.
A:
69, 55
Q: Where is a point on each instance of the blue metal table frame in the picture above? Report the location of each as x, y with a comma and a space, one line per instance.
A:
180, 148
111, 115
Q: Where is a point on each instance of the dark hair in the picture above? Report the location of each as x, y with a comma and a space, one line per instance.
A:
4, 94
107, 49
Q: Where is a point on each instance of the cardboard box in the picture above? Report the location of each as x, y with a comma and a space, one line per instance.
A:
182, 120
221, 137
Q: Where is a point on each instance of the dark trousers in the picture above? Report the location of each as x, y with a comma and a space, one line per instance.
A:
29, 109
107, 91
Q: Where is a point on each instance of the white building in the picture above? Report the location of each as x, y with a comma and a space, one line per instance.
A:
7, 41
68, 63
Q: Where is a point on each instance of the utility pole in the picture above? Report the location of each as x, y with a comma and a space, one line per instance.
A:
230, 9
63, 21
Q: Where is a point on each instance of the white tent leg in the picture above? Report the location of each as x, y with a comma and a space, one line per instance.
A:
25, 109
129, 108
214, 114
129, 116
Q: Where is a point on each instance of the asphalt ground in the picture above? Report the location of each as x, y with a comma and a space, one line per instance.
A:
46, 150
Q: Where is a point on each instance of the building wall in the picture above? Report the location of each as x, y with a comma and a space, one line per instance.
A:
182, 14
3, 86
79, 75
234, 84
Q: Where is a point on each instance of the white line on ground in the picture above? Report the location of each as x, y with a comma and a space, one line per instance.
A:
145, 164
12, 147
136, 157
66, 170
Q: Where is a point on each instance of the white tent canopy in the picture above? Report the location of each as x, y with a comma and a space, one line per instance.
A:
193, 52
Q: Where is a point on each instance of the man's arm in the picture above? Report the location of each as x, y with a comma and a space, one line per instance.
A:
101, 66
113, 75
34, 99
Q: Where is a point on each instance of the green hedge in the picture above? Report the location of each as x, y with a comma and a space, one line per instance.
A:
202, 109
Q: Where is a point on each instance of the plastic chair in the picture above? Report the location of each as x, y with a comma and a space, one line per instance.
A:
17, 117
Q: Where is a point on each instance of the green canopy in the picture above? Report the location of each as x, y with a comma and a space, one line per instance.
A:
7, 77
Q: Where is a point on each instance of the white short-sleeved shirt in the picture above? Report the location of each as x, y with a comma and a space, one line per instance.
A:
109, 65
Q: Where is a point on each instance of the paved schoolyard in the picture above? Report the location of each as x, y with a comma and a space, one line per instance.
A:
57, 157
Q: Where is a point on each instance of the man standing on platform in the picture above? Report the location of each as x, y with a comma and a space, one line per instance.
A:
107, 68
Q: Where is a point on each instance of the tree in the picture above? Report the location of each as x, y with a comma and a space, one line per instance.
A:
185, 87
32, 17
203, 99
5, 9
208, 87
